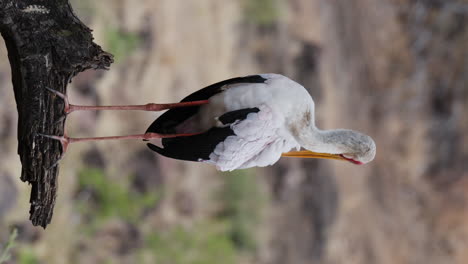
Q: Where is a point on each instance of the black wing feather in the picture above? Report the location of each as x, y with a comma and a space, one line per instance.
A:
166, 122
193, 148
233, 116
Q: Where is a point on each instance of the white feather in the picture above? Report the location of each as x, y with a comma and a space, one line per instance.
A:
256, 143
262, 137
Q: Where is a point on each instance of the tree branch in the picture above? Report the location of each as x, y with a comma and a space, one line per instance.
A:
47, 46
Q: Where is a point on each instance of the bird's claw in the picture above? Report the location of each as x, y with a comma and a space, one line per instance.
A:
64, 143
60, 119
62, 139
67, 108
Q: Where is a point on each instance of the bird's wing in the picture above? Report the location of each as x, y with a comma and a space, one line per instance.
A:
245, 138
199, 147
257, 141
166, 123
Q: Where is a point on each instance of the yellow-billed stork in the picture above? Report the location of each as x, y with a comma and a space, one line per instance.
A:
240, 123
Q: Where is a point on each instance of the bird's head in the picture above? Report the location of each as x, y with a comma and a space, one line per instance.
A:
358, 148
340, 144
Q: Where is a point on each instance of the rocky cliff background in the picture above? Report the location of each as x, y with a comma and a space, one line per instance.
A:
394, 69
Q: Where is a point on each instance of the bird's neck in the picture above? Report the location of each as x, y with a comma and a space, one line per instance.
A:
323, 141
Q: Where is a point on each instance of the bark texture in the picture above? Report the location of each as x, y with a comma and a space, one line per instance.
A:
47, 46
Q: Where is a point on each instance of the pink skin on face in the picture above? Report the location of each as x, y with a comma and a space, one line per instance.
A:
351, 160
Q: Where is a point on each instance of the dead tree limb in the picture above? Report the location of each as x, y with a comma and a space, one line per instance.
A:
47, 46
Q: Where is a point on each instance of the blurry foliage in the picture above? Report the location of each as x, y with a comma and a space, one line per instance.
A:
85, 9
23, 254
242, 205
121, 43
205, 243
113, 199
5, 255
222, 239
27, 256
118, 42
262, 12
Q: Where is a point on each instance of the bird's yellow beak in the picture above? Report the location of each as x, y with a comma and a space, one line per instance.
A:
310, 154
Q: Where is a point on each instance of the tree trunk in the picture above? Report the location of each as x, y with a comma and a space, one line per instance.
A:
47, 46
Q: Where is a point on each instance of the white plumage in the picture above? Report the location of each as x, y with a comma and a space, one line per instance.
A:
262, 137
259, 141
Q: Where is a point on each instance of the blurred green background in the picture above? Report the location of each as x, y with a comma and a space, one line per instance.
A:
394, 69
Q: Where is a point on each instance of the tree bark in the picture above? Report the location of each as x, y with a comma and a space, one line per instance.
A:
47, 46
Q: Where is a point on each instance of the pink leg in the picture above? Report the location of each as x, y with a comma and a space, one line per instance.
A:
147, 107
65, 140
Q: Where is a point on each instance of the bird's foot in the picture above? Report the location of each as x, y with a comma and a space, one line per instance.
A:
64, 141
60, 119
68, 107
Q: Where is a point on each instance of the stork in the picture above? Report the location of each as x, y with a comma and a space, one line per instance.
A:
242, 122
